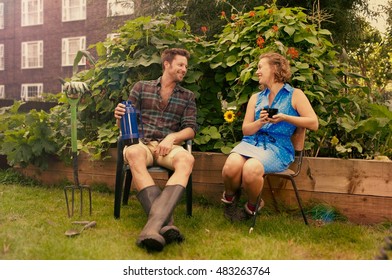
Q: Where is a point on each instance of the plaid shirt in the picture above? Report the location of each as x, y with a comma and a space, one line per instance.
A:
158, 122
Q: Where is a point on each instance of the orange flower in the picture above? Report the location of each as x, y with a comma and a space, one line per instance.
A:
293, 53
233, 16
275, 28
270, 11
223, 14
252, 13
204, 29
260, 41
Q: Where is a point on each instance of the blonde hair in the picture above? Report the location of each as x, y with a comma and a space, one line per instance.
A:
282, 71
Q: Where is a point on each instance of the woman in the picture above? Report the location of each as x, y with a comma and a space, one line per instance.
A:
266, 146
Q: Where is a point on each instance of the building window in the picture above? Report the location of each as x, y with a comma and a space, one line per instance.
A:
31, 91
32, 54
2, 93
32, 12
120, 8
70, 47
74, 10
1, 15
2, 57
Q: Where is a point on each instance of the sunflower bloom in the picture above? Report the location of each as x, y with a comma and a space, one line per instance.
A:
229, 116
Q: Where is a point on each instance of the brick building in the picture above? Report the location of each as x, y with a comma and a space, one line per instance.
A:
40, 38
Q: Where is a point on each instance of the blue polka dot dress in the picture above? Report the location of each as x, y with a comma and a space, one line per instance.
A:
271, 145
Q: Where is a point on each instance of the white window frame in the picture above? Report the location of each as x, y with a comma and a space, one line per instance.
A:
2, 60
114, 8
1, 15
67, 55
31, 17
32, 54
24, 94
75, 12
2, 91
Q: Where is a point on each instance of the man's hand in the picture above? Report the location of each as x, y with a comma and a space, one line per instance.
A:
119, 111
165, 146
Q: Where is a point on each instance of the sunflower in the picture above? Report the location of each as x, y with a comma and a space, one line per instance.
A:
229, 116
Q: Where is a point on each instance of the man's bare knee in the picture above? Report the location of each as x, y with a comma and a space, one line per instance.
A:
135, 154
183, 161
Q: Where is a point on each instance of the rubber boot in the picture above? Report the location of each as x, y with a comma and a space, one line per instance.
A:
160, 212
231, 210
146, 197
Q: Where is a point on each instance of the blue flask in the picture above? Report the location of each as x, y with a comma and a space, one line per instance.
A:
129, 124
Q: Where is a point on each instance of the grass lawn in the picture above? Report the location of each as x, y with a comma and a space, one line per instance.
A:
34, 219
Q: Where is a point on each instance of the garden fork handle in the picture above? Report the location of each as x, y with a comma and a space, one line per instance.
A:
74, 141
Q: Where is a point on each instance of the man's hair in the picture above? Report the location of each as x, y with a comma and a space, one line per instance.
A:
169, 54
282, 66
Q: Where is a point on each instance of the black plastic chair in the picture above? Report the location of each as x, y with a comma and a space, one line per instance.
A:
124, 180
298, 140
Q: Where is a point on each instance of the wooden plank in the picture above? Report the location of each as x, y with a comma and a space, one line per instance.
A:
360, 189
364, 177
360, 209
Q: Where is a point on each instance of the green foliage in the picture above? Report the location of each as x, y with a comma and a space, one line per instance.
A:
10, 177
27, 138
222, 75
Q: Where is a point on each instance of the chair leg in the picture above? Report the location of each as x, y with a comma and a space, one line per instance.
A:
117, 196
127, 186
255, 215
189, 198
123, 185
119, 181
299, 200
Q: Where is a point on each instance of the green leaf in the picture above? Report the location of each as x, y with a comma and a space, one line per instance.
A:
231, 60
289, 30
226, 150
230, 76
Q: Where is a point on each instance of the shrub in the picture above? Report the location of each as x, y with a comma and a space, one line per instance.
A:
222, 75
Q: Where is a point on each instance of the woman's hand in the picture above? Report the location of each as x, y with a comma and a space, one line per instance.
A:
263, 117
277, 118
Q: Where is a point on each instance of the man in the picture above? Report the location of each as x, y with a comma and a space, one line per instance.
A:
168, 118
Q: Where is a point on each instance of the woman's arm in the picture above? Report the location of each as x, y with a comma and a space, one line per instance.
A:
307, 117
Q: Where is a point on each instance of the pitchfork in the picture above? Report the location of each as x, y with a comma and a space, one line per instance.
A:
74, 91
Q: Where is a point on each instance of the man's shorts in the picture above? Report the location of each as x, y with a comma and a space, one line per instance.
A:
164, 161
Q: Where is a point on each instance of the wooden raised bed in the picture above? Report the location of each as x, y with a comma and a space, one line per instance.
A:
360, 189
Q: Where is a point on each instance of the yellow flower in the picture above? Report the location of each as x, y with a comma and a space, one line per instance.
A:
229, 116
334, 141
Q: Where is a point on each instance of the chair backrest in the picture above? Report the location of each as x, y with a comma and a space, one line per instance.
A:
298, 140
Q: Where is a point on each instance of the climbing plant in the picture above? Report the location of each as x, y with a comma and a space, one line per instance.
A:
222, 75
